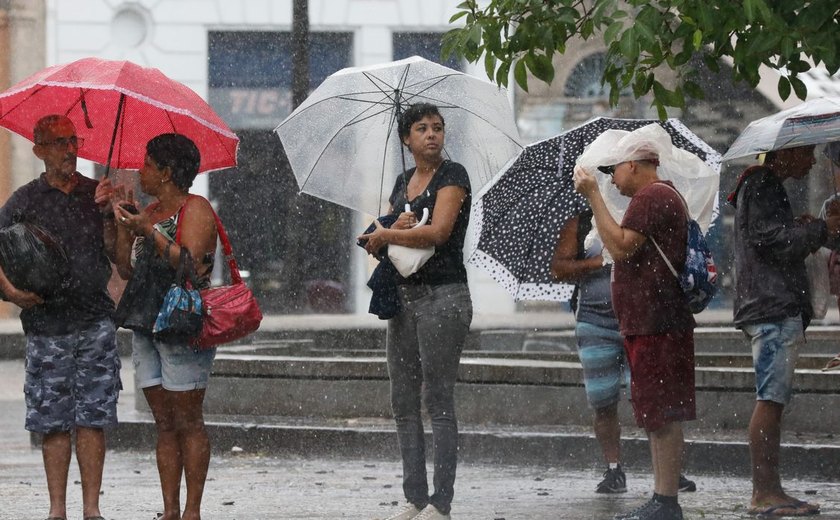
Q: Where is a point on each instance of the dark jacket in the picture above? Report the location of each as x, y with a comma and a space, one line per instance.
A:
770, 250
385, 301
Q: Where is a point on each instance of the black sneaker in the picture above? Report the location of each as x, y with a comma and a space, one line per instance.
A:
652, 510
687, 486
614, 482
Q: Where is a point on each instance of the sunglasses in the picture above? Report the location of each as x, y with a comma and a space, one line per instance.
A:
609, 170
64, 142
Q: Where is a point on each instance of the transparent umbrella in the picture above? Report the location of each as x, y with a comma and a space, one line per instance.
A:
342, 141
813, 122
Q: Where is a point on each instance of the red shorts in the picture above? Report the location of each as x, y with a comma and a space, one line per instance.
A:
661, 378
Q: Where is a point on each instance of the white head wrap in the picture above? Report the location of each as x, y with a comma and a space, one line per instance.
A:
695, 180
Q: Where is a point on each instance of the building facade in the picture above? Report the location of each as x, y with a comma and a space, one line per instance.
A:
300, 251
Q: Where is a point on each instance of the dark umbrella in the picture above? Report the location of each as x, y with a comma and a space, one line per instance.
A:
518, 217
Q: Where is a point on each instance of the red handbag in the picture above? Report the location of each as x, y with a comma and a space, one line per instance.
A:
231, 311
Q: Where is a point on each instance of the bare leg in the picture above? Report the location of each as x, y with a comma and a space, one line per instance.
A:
765, 440
195, 446
608, 432
90, 454
666, 448
169, 460
56, 451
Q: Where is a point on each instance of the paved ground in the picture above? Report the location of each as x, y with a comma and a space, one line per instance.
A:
245, 486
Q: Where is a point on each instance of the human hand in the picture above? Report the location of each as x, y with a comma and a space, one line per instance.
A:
138, 223
375, 239
804, 219
23, 299
585, 182
406, 220
832, 224
103, 195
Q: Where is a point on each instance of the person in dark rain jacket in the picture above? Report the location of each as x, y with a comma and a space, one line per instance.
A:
772, 306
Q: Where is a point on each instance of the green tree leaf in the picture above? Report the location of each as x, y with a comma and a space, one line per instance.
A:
521, 75
642, 36
783, 88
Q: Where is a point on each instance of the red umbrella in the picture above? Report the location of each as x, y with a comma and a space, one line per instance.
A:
117, 106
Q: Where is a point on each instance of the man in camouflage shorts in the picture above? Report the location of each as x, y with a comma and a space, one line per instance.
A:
72, 366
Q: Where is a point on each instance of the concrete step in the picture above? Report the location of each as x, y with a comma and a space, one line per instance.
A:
706, 452
513, 391
530, 333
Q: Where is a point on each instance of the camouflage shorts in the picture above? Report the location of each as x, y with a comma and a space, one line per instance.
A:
72, 379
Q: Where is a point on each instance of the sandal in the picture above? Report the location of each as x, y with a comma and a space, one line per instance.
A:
795, 508
94, 518
833, 364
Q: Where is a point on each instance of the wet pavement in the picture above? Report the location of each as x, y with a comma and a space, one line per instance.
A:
246, 486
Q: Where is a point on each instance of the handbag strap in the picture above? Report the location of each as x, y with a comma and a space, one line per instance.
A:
185, 274
227, 249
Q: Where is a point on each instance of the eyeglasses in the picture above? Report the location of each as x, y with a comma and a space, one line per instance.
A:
609, 170
64, 142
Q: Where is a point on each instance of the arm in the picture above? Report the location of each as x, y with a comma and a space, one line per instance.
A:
103, 197
622, 243
770, 231
23, 299
124, 236
448, 205
198, 233
565, 265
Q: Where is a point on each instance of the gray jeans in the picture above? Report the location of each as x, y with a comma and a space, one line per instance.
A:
424, 346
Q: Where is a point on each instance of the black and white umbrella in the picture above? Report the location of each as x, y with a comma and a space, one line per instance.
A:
517, 218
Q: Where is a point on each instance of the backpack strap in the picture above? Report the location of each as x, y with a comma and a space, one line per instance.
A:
687, 217
227, 249
667, 262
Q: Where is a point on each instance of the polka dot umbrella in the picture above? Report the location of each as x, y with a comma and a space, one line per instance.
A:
517, 218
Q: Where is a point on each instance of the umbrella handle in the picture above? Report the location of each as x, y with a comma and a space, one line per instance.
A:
422, 220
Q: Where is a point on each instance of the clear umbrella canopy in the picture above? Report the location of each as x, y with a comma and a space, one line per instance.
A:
342, 141
813, 122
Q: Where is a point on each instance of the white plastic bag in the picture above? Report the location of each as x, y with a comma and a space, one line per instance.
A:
817, 267
408, 260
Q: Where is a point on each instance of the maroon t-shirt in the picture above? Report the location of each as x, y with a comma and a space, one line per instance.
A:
646, 295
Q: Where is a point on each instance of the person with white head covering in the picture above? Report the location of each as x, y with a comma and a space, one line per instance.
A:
652, 310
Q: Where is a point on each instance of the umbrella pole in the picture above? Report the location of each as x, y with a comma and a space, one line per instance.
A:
398, 113
114, 136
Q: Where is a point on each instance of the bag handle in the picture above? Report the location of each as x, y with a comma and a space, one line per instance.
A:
227, 249
185, 274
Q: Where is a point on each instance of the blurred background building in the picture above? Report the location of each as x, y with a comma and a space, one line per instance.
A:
300, 252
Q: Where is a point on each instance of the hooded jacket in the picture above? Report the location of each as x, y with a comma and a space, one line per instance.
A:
770, 250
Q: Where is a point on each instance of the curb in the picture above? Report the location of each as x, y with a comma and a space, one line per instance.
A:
578, 451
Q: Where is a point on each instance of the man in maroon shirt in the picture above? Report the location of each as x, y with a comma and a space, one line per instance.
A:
652, 310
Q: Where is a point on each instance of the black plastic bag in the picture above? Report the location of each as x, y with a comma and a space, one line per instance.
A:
32, 259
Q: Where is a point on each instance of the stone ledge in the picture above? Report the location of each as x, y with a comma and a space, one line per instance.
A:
488, 370
547, 447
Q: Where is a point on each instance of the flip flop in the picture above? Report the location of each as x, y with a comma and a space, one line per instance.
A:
833, 364
94, 518
796, 508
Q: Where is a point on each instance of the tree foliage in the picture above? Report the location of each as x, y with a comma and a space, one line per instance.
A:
641, 36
